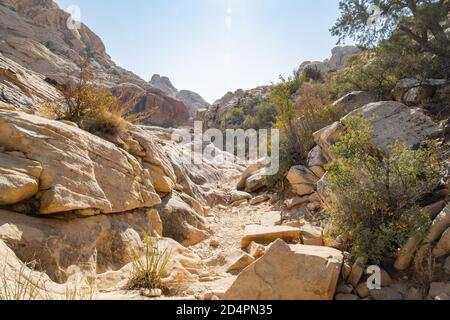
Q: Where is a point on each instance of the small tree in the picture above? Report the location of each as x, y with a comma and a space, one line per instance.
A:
372, 203
369, 22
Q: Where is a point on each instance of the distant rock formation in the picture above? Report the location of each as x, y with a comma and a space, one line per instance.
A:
340, 56
192, 100
34, 34
215, 116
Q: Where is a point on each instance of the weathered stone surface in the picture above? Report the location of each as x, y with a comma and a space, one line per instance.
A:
181, 222
385, 294
357, 272
306, 273
447, 265
303, 189
394, 122
354, 100
440, 224
192, 100
339, 57
259, 199
256, 181
266, 235
15, 272
301, 175
240, 263
99, 243
296, 201
252, 169
327, 137
311, 235
35, 34
346, 297
363, 290
316, 158
19, 177
322, 188
239, 195
439, 288
256, 250
442, 249
413, 92
79, 170
318, 171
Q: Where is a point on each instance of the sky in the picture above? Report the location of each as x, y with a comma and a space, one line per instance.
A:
212, 46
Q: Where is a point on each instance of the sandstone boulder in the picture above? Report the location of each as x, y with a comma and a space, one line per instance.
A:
413, 92
240, 263
79, 170
266, 235
442, 249
98, 243
181, 222
312, 235
392, 122
316, 158
354, 100
289, 272
296, 201
19, 177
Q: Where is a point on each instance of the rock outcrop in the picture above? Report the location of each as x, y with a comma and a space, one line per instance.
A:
215, 116
392, 122
79, 171
339, 57
289, 272
192, 100
35, 35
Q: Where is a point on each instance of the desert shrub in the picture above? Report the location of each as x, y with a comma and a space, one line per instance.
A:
265, 115
235, 117
298, 120
372, 197
90, 106
377, 71
19, 285
310, 73
149, 268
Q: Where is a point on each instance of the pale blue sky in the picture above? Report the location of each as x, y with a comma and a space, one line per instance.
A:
212, 46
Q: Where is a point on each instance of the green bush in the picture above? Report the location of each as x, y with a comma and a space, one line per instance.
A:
149, 268
372, 197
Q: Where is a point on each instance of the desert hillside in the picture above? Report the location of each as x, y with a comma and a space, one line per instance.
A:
102, 195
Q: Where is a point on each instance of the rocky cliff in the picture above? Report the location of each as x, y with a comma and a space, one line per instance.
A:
34, 34
339, 57
192, 100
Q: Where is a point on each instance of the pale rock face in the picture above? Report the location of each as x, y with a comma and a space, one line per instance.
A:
24, 88
306, 273
215, 115
392, 122
266, 235
316, 158
340, 56
98, 243
77, 167
35, 35
14, 271
440, 224
354, 100
181, 222
439, 288
442, 249
19, 179
311, 235
412, 92
192, 100
241, 263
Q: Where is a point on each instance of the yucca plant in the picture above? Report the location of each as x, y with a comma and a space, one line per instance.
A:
149, 267
20, 286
